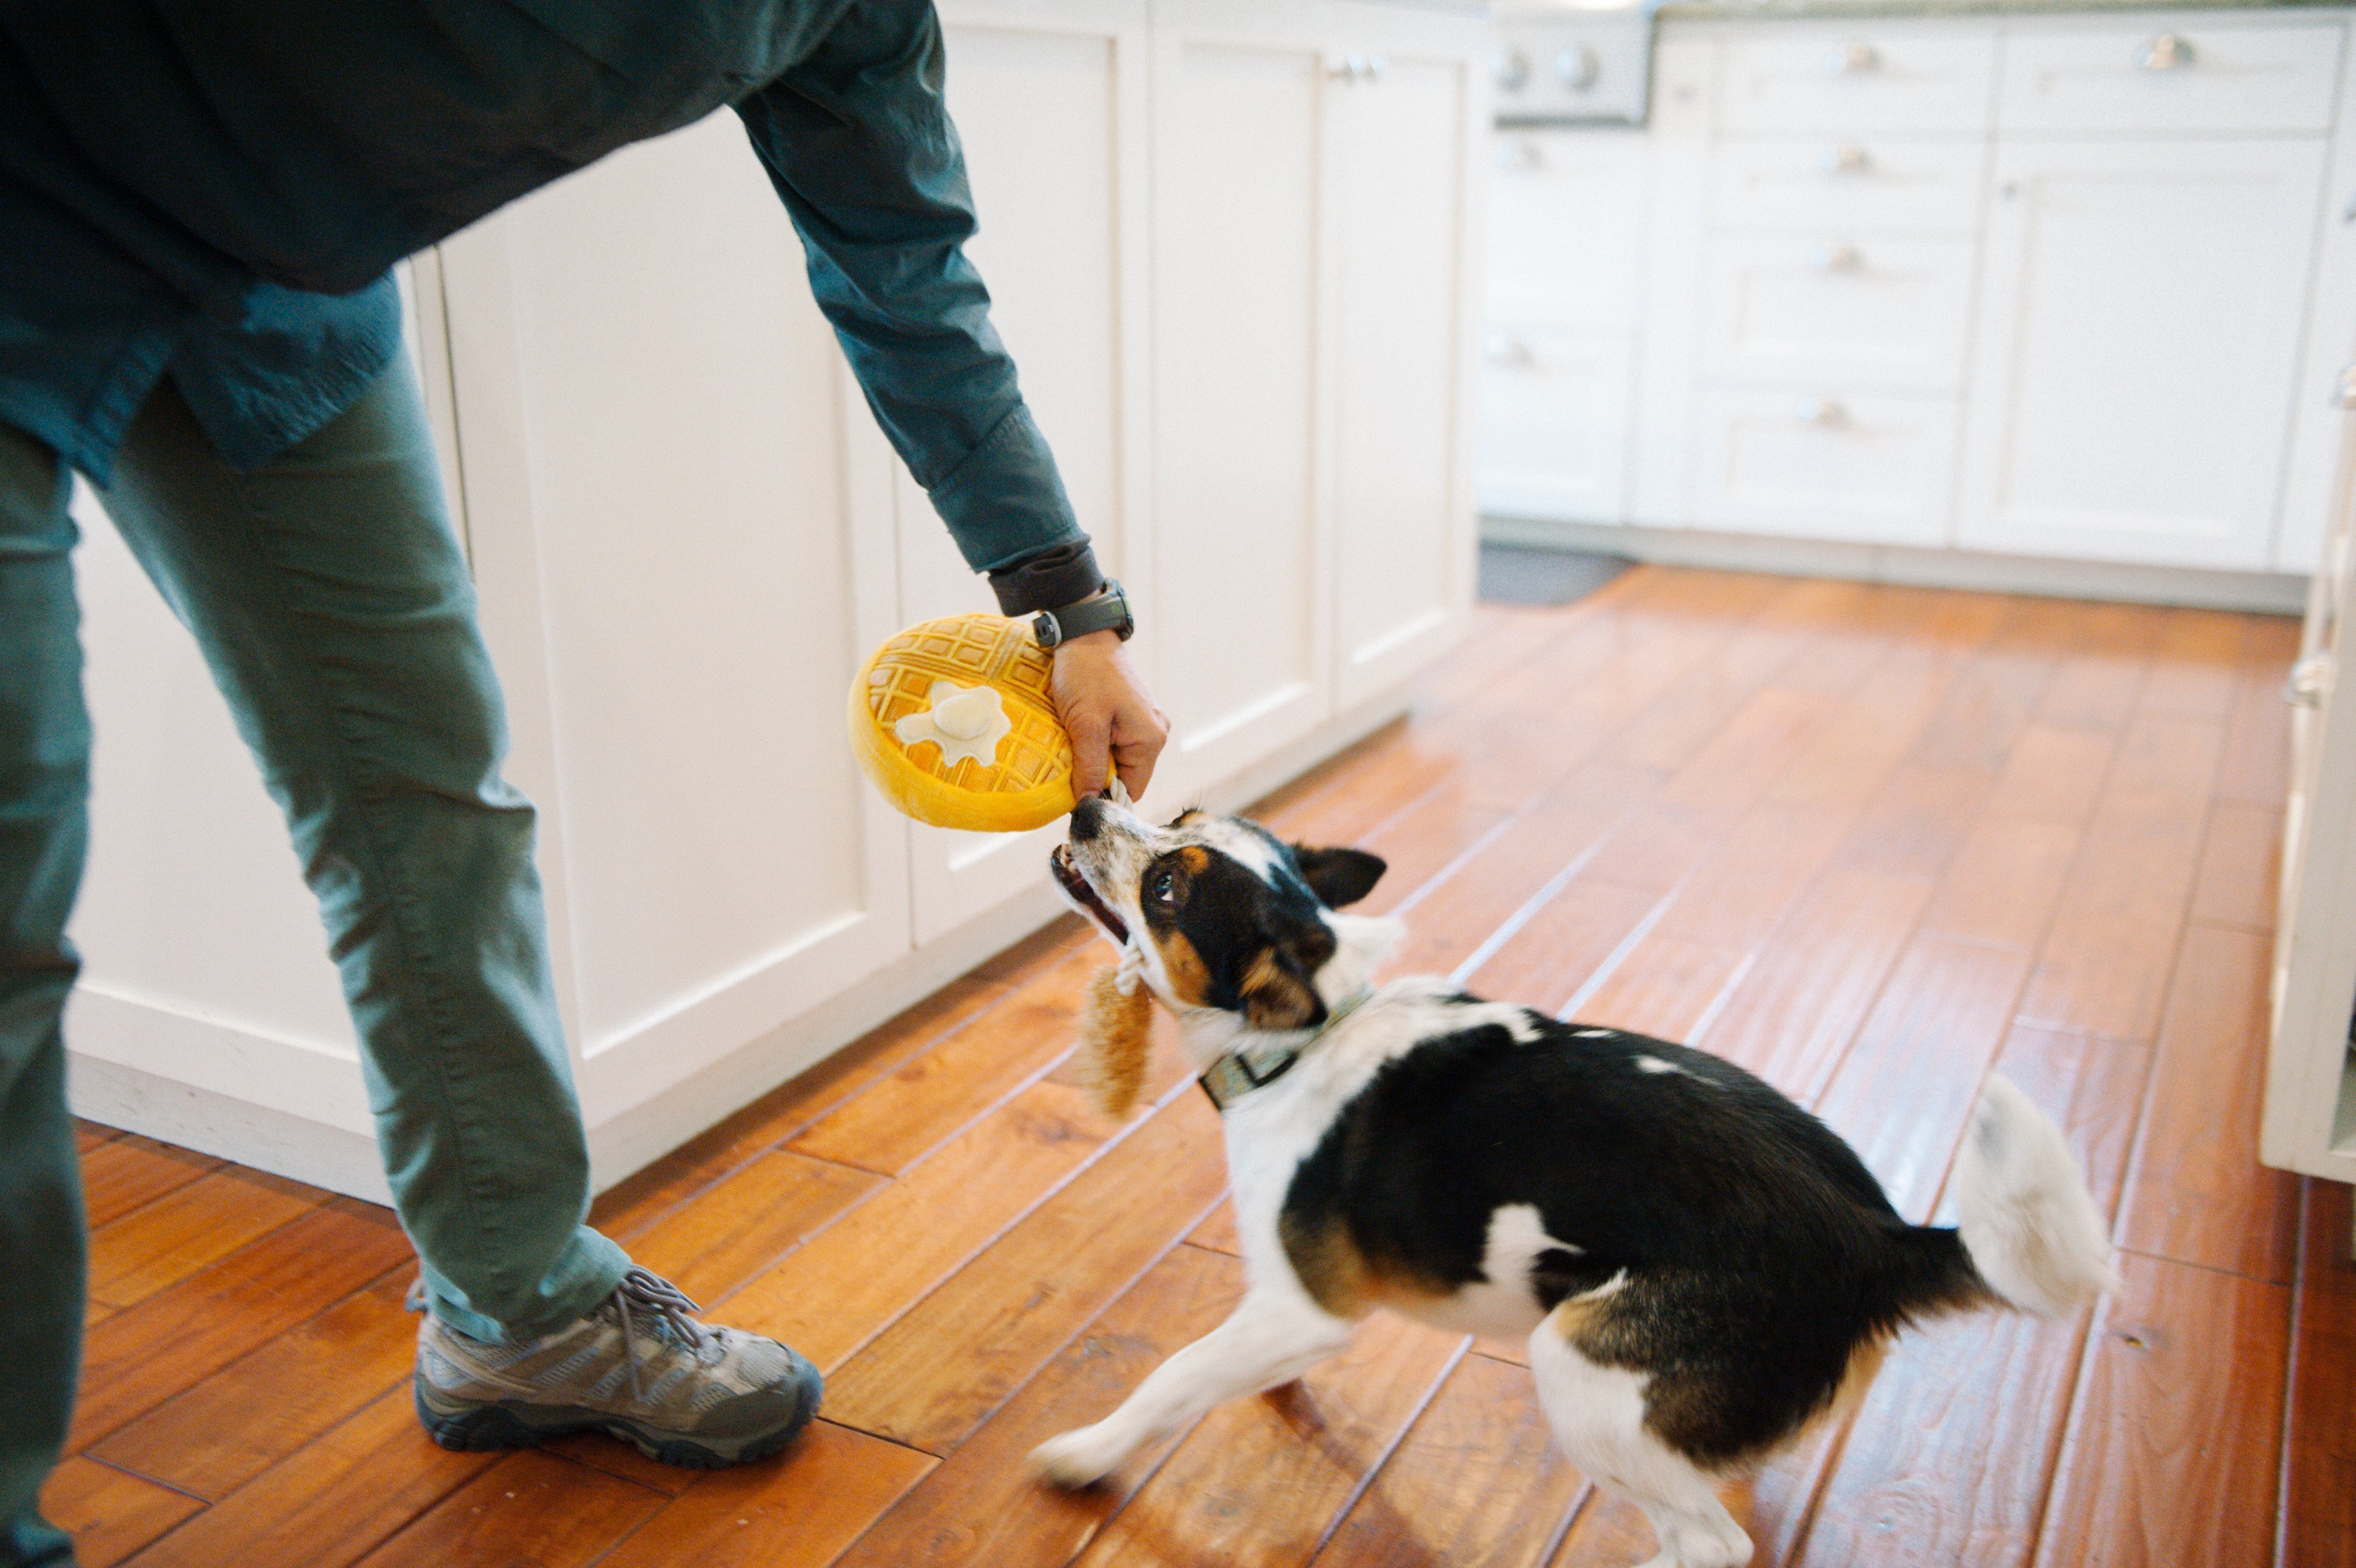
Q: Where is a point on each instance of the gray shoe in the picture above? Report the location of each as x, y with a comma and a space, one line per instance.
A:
638, 1367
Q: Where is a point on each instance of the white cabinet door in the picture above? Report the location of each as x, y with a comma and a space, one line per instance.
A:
1565, 215
1050, 107
1240, 545
2138, 328
677, 591
1553, 425
1401, 134
1855, 310
1871, 468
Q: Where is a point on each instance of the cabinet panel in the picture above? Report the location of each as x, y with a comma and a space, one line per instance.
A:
1236, 551
1553, 425
1565, 211
1862, 79
1039, 114
1872, 313
1399, 155
2159, 77
2137, 333
1875, 185
1877, 467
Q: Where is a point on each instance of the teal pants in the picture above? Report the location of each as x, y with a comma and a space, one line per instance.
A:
333, 606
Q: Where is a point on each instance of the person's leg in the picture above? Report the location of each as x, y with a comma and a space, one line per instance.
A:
333, 605
44, 826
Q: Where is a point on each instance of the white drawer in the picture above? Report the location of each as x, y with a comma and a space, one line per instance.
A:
1553, 425
1879, 312
1859, 80
1873, 185
1566, 214
2152, 78
1875, 468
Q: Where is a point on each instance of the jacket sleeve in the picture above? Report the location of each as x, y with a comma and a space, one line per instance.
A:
857, 140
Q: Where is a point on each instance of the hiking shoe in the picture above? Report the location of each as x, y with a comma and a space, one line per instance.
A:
638, 1368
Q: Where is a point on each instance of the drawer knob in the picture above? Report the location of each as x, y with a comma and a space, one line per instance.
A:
2310, 680
1506, 350
2166, 52
1521, 153
1510, 68
1347, 68
1845, 160
1837, 258
1830, 414
1853, 60
1376, 66
1578, 67
2343, 395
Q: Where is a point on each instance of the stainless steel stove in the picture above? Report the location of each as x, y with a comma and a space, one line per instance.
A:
1561, 63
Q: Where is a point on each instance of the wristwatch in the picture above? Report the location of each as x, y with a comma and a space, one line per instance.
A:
1107, 610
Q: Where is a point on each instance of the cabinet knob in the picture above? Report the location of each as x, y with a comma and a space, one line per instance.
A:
2311, 679
1376, 66
1504, 348
1347, 68
1510, 68
2343, 393
1837, 258
1845, 160
1829, 412
2166, 52
1578, 67
1521, 153
1853, 60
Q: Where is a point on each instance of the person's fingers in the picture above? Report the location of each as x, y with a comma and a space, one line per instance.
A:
1090, 726
1136, 746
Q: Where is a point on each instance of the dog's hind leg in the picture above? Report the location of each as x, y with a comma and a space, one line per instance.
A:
1275, 1334
1598, 1415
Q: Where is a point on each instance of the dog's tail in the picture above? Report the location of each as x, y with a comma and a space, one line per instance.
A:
2026, 1221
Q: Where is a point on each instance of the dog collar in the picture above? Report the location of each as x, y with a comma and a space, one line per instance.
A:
1239, 1072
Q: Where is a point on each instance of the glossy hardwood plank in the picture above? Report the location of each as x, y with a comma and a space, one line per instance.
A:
144, 1354
2055, 774
1261, 1480
2004, 883
1493, 883
225, 1430
1217, 1231
2239, 865
983, 1507
2196, 665
2174, 1442
1478, 1482
110, 1514
529, 1509
1916, 823
1664, 988
133, 1257
740, 1225
1547, 959
833, 1294
799, 1511
2322, 1430
88, 1134
2093, 1089
328, 1504
938, 1371
129, 1172
2196, 1192
2098, 682
2257, 771
2320, 1508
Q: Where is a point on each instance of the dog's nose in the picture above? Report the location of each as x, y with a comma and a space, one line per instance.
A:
1087, 819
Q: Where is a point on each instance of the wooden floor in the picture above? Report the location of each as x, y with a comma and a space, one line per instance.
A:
1868, 842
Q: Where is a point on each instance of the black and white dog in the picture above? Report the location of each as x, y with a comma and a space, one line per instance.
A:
1700, 1267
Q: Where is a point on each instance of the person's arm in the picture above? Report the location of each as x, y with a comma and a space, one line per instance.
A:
858, 142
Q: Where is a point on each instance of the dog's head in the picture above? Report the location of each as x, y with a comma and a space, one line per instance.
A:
1220, 913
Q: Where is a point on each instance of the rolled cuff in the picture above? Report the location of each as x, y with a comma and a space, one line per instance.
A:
1005, 503
1047, 581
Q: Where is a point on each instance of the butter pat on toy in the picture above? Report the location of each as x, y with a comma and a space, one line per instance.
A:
954, 721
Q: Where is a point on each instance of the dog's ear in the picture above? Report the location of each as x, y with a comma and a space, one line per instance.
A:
1339, 877
1277, 995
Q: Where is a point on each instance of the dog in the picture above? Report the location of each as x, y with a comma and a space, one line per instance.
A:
1700, 1268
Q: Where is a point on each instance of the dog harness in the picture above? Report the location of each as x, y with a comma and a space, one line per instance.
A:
1239, 1072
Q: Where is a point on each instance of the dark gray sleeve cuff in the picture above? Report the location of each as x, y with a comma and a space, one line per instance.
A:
1047, 581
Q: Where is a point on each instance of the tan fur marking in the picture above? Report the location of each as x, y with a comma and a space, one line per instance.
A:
1190, 977
1864, 1363
1344, 1280
1194, 858
1273, 997
1116, 1037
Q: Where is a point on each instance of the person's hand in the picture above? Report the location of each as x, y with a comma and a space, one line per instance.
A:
1107, 713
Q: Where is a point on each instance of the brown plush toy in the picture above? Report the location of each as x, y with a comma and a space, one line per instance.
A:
1116, 1037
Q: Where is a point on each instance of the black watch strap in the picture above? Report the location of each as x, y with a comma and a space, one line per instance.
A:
1107, 612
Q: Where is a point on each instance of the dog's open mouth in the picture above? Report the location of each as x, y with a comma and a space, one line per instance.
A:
1076, 886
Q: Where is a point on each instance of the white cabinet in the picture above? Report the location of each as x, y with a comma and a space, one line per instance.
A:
686, 532
1870, 466
2171, 76
2139, 329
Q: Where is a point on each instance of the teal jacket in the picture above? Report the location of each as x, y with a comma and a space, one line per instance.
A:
214, 191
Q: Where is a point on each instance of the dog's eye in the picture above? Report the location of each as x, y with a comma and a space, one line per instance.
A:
1163, 888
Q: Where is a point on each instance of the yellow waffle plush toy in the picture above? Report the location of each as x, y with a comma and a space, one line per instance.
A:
954, 721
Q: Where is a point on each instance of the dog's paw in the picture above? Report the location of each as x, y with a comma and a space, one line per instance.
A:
1080, 1457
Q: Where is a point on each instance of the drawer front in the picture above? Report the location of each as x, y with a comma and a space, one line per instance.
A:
1875, 313
1871, 468
1857, 80
1553, 425
2152, 78
1822, 184
1565, 226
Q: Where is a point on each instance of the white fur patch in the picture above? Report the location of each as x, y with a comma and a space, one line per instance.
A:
1596, 1034
1501, 1305
1654, 1064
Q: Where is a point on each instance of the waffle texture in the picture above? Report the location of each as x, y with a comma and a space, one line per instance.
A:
1027, 783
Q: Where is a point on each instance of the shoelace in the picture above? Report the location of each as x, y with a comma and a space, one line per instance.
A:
649, 1292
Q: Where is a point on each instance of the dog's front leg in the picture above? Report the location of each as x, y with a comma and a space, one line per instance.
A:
1274, 1335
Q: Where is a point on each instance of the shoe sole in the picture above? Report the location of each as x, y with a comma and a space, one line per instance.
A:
478, 1428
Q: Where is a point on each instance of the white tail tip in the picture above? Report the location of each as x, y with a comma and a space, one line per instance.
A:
2027, 1218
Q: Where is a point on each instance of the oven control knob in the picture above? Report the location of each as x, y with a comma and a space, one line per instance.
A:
1510, 68
1578, 67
